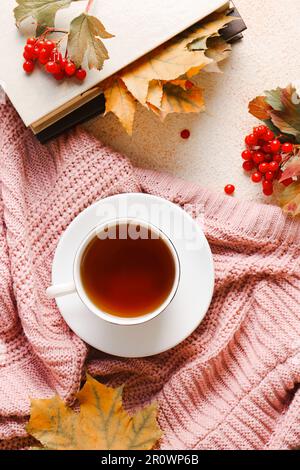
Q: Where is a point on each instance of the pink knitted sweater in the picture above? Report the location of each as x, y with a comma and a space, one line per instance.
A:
233, 384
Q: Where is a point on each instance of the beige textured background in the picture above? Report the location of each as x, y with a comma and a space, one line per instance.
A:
268, 56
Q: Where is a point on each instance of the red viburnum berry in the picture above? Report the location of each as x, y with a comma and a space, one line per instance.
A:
269, 176
287, 147
28, 66
267, 188
81, 74
248, 166
275, 146
229, 189
70, 69
247, 155
256, 177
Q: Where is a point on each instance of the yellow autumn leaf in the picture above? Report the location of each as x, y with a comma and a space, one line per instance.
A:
176, 99
155, 93
145, 79
166, 63
218, 49
171, 60
100, 424
120, 102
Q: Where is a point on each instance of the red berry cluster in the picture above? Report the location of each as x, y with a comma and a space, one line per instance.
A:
265, 154
46, 53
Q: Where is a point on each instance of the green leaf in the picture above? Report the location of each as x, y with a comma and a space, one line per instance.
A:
42, 11
273, 98
84, 40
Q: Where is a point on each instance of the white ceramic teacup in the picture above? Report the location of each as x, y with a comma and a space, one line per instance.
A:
76, 284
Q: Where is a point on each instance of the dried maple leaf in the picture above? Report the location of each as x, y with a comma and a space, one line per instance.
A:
155, 93
84, 40
286, 114
217, 49
166, 63
42, 11
100, 424
260, 108
120, 102
280, 109
178, 100
147, 78
171, 60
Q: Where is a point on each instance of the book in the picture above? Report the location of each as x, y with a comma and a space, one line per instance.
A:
139, 27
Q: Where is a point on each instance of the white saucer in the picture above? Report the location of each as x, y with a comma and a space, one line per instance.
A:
190, 303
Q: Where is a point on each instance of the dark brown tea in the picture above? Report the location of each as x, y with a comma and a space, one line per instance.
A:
128, 277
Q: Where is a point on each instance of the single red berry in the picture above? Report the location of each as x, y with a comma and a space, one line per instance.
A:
268, 188
277, 158
248, 166
41, 44
273, 166
287, 148
268, 136
185, 134
263, 167
59, 76
256, 177
81, 74
269, 176
49, 45
36, 52
258, 158
288, 182
64, 61
43, 56
267, 148
247, 155
52, 67
251, 140
31, 41
229, 189
28, 66
268, 158
189, 85
29, 50
70, 69
275, 146
27, 55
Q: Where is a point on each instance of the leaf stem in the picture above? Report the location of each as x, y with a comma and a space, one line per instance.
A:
53, 30
89, 5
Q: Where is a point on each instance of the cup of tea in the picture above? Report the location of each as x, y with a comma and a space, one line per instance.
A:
125, 271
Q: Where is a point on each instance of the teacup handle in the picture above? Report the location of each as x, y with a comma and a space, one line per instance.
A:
60, 289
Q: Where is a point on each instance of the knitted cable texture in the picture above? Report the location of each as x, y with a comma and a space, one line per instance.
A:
233, 384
